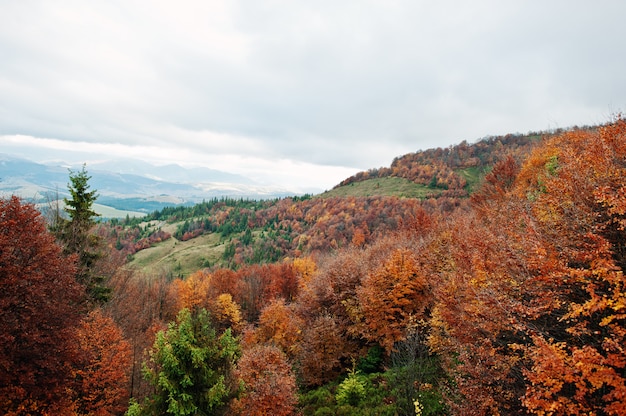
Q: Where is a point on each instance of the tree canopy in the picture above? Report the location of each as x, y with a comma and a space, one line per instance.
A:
39, 307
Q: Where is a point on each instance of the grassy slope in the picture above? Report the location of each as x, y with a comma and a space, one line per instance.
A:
180, 257
473, 176
388, 186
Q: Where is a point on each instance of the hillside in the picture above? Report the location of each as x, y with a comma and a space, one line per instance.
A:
240, 232
450, 300
385, 186
454, 171
436, 180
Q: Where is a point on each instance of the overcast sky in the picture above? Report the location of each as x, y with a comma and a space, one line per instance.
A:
299, 92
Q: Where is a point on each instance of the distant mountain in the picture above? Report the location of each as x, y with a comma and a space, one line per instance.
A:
171, 172
129, 184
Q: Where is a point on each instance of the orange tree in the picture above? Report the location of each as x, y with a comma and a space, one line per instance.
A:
578, 187
102, 372
393, 297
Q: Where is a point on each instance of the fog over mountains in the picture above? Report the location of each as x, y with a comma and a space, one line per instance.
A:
129, 185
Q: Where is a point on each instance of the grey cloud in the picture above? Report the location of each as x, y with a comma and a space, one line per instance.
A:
351, 83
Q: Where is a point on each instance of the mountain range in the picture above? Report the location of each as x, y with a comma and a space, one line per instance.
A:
129, 185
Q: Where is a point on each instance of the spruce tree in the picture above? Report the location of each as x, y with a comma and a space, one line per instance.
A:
76, 234
191, 367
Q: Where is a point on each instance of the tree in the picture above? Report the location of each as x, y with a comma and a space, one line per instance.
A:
270, 385
76, 234
392, 298
226, 313
280, 326
193, 292
39, 305
140, 305
351, 391
577, 187
80, 206
102, 374
191, 368
322, 349
530, 306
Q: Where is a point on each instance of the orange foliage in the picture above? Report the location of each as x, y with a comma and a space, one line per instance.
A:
580, 210
589, 377
540, 259
475, 317
193, 292
102, 375
392, 297
280, 326
225, 313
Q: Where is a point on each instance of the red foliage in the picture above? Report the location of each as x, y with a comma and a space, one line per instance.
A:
322, 350
39, 300
140, 306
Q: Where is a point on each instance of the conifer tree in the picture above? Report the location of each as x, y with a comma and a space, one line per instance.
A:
191, 368
76, 234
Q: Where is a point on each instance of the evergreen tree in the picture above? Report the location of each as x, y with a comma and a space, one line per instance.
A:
77, 237
191, 368
80, 206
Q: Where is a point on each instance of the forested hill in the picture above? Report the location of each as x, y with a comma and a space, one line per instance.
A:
358, 211
453, 171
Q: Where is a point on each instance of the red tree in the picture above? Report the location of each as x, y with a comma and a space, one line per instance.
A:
39, 299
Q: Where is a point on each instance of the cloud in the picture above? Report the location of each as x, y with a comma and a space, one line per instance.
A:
349, 84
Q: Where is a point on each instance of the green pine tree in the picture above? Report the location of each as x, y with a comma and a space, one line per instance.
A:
76, 234
190, 367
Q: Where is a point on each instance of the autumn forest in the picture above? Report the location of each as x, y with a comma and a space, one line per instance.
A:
492, 283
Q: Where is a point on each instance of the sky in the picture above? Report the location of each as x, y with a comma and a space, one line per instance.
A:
299, 93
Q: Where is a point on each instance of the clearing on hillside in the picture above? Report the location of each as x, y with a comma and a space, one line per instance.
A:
387, 186
180, 258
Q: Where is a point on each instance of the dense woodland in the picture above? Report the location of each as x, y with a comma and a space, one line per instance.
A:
500, 296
